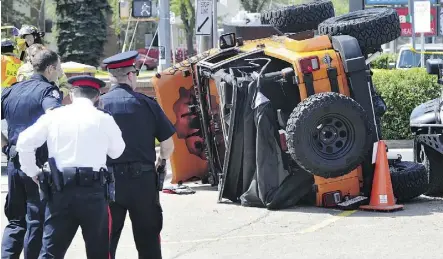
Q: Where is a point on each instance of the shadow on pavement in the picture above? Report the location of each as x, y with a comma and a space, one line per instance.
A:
202, 187
420, 206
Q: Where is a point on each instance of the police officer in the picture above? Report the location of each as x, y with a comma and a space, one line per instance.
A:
79, 138
10, 63
142, 121
22, 104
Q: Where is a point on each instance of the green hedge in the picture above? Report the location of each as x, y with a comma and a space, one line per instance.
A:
402, 91
382, 61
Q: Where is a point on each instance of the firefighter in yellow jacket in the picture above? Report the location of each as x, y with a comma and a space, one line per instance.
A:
10, 63
34, 42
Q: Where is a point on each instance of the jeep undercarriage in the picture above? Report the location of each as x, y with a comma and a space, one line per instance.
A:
282, 120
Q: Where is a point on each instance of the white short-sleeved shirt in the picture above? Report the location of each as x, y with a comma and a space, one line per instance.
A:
77, 135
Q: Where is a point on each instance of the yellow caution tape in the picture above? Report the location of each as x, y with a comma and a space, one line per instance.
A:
425, 52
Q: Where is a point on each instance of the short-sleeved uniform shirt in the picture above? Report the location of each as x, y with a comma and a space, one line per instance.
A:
141, 121
24, 102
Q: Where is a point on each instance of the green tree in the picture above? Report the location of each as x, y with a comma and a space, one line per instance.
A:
116, 24
254, 6
82, 29
11, 16
186, 10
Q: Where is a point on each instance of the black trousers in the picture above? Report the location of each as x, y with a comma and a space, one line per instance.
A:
139, 196
25, 213
75, 207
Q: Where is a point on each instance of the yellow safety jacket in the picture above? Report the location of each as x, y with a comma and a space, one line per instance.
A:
10, 66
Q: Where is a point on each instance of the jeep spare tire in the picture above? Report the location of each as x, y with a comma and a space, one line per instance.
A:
329, 134
298, 18
409, 180
371, 27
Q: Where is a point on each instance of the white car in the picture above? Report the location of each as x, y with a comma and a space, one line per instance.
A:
408, 58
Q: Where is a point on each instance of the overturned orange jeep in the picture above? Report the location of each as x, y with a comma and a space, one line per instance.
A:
277, 116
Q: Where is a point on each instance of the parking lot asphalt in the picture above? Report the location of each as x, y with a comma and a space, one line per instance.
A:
196, 226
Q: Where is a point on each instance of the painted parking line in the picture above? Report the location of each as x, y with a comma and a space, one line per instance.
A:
310, 229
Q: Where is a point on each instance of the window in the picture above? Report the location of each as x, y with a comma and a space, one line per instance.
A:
410, 59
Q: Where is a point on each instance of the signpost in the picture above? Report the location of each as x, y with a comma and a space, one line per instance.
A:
440, 19
203, 20
164, 35
172, 21
422, 24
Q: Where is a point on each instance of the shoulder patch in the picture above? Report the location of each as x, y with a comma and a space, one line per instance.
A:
55, 93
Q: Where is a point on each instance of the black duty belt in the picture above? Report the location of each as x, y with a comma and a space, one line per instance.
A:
132, 169
80, 176
80, 171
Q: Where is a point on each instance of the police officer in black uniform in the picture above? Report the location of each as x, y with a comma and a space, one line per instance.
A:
136, 191
22, 104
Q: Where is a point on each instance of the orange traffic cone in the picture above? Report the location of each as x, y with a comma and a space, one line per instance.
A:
382, 194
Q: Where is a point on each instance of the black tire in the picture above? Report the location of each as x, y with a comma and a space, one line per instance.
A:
346, 134
298, 18
433, 162
409, 180
371, 27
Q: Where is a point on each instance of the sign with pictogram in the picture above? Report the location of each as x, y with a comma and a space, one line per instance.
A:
203, 20
406, 22
142, 9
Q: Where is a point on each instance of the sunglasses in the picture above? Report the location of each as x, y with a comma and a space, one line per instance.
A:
135, 71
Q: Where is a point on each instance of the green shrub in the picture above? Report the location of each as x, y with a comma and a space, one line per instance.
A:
382, 61
402, 91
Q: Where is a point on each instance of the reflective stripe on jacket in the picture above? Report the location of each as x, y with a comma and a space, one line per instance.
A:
10, 66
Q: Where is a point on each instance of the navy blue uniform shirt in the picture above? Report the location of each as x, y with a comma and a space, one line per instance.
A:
141, 121
23, 103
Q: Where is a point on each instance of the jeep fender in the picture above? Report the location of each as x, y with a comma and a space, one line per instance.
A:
426, 113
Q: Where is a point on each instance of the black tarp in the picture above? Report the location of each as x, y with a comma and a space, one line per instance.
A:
257, 172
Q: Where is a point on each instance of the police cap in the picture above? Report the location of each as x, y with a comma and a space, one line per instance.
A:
86, 81
121, 60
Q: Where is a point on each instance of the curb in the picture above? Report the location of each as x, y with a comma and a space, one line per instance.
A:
399, 144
